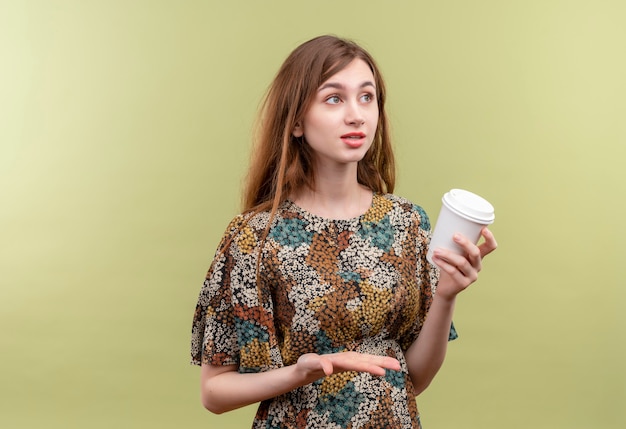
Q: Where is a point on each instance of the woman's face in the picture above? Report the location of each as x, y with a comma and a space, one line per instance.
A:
341, 122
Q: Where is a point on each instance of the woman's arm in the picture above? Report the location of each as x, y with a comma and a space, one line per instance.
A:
224, 389
427, 353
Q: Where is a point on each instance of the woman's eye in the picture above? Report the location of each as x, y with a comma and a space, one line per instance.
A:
366, 98
334, 99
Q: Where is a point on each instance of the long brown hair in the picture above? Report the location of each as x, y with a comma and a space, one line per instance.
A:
280, 163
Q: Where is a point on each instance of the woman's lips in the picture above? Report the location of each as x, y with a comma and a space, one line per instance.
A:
354, 140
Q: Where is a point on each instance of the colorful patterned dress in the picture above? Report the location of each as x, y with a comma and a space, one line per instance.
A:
321, 286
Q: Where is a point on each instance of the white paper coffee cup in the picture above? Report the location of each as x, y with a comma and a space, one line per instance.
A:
461, 212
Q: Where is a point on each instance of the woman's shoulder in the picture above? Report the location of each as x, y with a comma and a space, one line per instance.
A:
244, 232
408, 207
255, 220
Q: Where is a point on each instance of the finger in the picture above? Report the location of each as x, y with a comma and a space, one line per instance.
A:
489, 245
378, 365
327, 365
471, 250
392, 363
361, 362
456, 266
455, 262
389, 362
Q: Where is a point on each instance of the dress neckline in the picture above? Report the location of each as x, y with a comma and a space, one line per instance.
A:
307, 214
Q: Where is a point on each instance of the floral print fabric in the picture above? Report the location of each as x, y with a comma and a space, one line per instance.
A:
321, 286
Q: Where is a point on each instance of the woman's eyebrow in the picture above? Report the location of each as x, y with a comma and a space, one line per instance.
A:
341, 86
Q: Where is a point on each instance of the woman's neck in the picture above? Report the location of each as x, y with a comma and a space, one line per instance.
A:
336, 196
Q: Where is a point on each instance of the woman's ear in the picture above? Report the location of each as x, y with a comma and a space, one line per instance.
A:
298, 130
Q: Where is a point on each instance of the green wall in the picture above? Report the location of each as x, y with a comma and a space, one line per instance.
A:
124, 133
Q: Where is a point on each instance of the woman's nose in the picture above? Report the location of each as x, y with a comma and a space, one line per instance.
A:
354, 114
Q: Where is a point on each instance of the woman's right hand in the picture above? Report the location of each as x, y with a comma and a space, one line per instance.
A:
324, 365
224, 388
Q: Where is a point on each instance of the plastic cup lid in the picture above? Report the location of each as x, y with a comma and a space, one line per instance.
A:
469, 206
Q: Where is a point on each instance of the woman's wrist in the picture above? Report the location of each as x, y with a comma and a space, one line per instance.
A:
444, 298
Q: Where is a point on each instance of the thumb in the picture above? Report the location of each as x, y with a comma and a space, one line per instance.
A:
327, 366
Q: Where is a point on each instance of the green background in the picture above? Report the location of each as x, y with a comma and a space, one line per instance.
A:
124, 137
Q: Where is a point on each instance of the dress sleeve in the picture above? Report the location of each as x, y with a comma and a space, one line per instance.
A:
426, 274
433, 270
233, 322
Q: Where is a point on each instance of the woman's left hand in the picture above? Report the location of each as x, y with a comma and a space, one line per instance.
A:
457, 272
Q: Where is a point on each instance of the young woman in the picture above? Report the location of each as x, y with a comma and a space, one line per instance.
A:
320, 303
